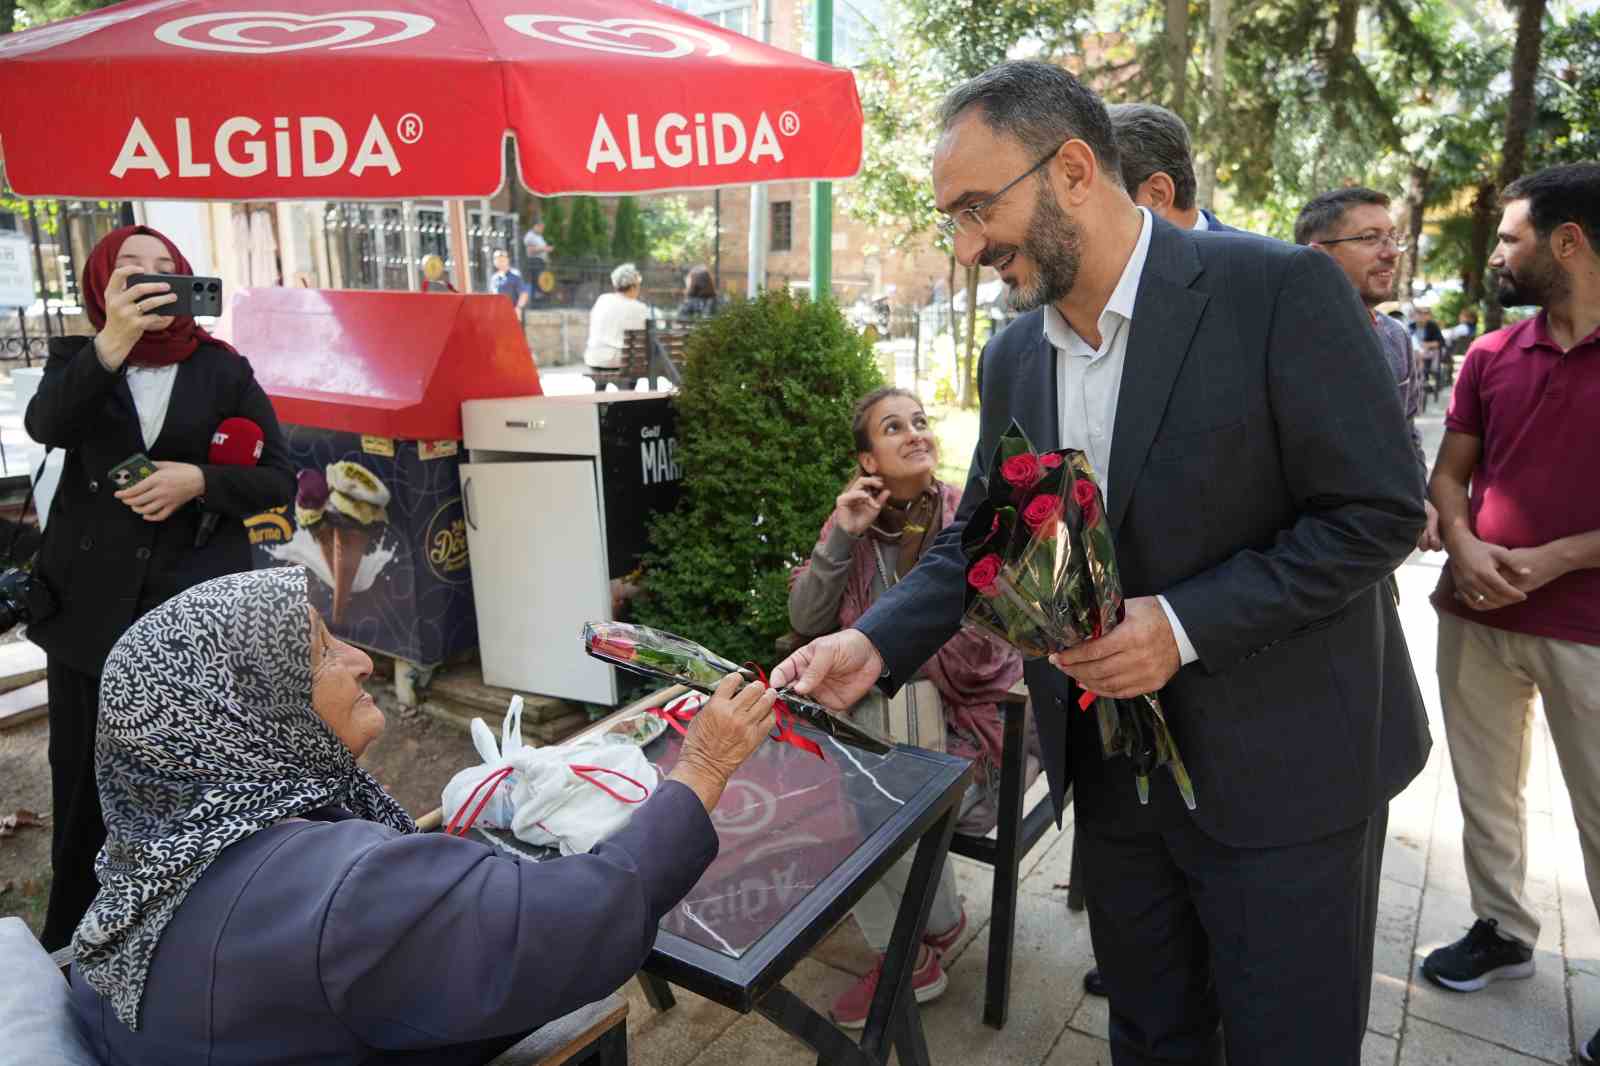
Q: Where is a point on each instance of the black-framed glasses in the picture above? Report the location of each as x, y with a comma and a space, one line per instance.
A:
1371, 241
968, 222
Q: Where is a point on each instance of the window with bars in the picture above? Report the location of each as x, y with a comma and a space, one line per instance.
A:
781, 236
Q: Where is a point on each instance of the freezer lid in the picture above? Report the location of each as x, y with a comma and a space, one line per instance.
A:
388, 364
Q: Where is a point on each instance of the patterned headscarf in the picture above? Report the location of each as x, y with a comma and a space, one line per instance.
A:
206, 735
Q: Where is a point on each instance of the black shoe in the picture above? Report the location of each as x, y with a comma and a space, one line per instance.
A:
1483, 955
1094, 984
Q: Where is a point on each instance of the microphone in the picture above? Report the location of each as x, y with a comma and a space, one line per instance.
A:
237, 442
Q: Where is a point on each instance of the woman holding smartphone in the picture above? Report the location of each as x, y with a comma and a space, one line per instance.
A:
152, 385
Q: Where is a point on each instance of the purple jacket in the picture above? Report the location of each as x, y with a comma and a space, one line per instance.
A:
332, 940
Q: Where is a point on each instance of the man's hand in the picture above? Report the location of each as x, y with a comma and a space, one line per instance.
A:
1533, 568
1430, 540
835, 670
1137, 657
1480, 571
169, 488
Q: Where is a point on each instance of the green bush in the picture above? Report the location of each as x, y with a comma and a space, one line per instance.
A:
628, 241
586, 231
554, 217
764, 441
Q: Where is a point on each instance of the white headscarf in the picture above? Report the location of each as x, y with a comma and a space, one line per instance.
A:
206, 735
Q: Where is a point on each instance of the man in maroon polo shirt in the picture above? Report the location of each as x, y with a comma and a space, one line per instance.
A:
1519, 603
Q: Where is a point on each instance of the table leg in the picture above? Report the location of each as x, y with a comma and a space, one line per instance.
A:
900, 960
656, 992
789, 1013
1007, 857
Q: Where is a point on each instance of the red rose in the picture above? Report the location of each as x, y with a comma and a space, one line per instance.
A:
1083, 493
1050, 460
614, 647
982, 574
1042, 513
1022, 471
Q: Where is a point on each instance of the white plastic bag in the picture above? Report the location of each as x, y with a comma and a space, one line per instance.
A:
490, 784
572, 796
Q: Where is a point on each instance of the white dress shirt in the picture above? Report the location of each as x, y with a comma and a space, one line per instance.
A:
151, 387
1089, 380
1200, 222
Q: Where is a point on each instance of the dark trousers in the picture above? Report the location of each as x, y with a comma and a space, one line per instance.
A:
77, 828
1269, 949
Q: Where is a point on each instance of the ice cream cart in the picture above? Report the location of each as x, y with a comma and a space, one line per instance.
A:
369, 387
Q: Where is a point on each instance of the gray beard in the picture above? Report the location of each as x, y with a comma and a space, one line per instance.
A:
1055, 244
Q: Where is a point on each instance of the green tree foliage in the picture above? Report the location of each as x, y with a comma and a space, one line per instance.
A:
629, 243
554, 216
586, 231
765, 445
676, 234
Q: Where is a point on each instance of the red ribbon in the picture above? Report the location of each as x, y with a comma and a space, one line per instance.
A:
677, 713
493, 781
588, 773
784, 723
1086, 700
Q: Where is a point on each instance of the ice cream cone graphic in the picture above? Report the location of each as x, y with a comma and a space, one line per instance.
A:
355, 514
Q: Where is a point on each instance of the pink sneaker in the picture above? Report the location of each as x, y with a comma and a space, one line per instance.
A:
928, 982
943, 942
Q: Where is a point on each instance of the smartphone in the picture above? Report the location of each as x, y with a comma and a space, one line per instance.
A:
197, 296
132, 470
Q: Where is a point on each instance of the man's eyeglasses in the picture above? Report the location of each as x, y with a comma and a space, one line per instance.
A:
1371, 241
968, 222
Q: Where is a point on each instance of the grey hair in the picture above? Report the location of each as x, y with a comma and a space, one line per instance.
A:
626, 277
1040, 105
1321, 213
1153, 140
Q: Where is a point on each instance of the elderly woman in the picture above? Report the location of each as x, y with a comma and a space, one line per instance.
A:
264, 901
881, 524
613, 314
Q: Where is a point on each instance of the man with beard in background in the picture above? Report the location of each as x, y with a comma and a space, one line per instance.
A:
1519, 604
1257, 502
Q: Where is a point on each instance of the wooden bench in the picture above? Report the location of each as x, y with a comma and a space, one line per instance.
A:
666, 338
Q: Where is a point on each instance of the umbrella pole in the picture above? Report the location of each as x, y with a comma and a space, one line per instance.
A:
822, 191
457, 210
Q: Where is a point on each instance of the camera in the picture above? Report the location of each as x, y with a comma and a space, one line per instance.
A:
24, 598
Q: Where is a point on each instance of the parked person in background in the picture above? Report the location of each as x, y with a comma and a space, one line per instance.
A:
1428, 340
699, 294
267, 902
507, 282
160, 385
1354, 226
613, 314
538, 251
884, 520
1519, 604
1158, 165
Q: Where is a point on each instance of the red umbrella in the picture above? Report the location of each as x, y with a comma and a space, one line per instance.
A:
333, 99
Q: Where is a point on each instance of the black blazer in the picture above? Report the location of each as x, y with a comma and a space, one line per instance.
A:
106, 564
1262, 480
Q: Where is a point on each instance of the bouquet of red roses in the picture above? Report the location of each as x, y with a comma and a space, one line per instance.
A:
1042, 575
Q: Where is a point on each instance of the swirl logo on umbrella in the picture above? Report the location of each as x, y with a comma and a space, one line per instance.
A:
624, 36
234, 31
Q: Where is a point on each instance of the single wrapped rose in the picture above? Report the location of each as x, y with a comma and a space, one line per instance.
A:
1083, 493
1022, 471
1042, 514
982, 574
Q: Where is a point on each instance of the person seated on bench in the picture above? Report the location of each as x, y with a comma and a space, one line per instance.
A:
263, 900
613, 314
699, 295
884, 520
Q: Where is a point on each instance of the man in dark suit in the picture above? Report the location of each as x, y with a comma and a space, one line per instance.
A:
1232, 396
1158, 165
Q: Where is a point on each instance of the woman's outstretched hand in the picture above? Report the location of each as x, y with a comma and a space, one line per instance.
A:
724, 733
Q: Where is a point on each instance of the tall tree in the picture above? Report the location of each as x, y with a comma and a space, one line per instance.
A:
1519, 108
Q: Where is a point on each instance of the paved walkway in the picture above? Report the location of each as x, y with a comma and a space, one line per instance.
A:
1424, 904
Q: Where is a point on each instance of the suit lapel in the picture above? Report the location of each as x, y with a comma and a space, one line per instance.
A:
1165, 315
1035, 410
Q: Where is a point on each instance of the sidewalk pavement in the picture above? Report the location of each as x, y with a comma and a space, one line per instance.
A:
1424, 904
